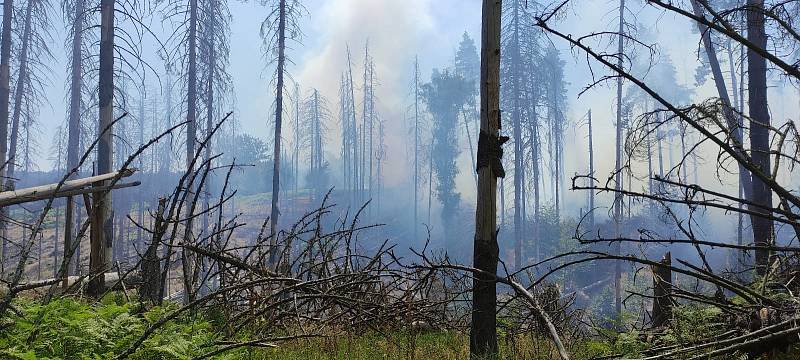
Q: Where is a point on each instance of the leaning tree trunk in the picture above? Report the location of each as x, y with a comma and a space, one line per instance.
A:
101, 236
483, 334
276, 157
759, 133
722, 90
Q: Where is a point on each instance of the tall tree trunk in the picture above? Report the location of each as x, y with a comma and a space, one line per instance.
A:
187, 259
191, 96
102, 232
22, 79
276, 160
212, 62
353, 130
517, 133
483, 335
74, 129
759, 133
5, 90
591, 172
618, 169
416, 150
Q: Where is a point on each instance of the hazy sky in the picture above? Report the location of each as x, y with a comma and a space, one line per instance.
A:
397, 30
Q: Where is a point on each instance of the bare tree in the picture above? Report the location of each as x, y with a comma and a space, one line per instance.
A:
279, 27
483, 335
102, 215
763, 232
5, 94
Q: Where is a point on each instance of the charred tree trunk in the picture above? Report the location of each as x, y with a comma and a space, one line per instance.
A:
662, 292
102, 231
276, 160
483, 335
759, 133
151, 264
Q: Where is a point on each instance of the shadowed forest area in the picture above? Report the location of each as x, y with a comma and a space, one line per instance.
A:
399, 179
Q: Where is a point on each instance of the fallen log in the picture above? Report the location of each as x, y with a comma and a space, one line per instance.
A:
68, 188
77, 283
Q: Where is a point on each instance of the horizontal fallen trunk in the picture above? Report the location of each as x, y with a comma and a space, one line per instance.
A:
77, 283
68, 188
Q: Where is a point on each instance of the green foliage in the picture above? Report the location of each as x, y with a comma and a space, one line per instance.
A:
70, 329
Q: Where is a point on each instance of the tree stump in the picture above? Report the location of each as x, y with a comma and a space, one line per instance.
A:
662, 292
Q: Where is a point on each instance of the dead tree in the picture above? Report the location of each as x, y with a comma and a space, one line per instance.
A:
763, 232
275, 33
618, 200
75, 11
5, 94
101, 236
662, 290
483, 334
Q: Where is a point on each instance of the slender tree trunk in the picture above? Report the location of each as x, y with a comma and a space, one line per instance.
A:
102, 232
191, 138
618, 170
22, 79
354, 128
5, 90
517, 133
469, 141
212, 63
483, 335
591, 171
74, 129
416, 150
759, 133
276, 160
430, 180
191, 88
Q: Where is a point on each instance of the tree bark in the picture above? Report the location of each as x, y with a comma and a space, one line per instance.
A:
483, 334
618, 169
102, 232
517, 133
662, 290
759, 133
276, 160
74, 131
5, 93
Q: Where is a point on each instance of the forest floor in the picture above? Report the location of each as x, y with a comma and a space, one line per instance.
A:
69, 328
